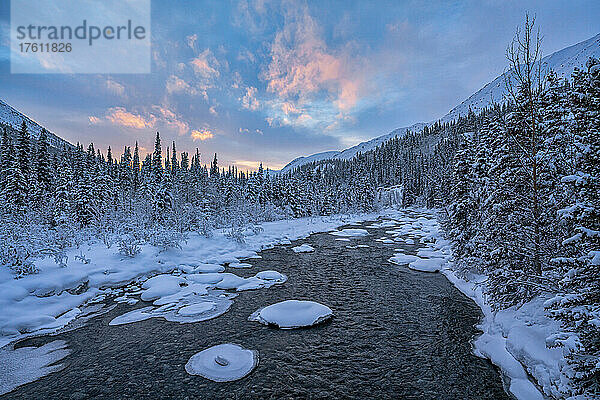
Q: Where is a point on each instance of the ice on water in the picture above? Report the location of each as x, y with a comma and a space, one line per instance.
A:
305, 248
27, 364
223, 363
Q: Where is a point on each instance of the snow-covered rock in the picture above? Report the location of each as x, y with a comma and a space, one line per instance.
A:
161, 285
350, 232
230, 281
305, 248
223, 363
427, 264
240, 265
403, 259
290, 314
270, 275
209, 268
210, 277
197, 308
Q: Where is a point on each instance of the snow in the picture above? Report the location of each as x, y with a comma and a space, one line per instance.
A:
350, 232
205, 278
239, 265
402, 259
230, 281
223, 363
160, 286
358, 246
270, 275
209, 268
27, 364
305, 248
14, 118
427, 265
197, 308
291, 314
515, 340
47, 301
184, 309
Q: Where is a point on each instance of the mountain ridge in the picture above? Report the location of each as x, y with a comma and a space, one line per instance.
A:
13, 119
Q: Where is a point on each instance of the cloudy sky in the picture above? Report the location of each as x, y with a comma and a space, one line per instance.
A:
273, 80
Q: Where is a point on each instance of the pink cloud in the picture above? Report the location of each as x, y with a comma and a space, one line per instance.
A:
160, 117
289, 108
202, 134
303, 66
175, 84
93, 120
172, 120
120, 116
205, 64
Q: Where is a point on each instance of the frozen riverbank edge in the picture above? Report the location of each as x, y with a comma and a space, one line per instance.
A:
45, 302
514, 340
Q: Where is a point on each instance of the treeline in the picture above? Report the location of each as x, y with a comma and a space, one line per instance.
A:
53, 199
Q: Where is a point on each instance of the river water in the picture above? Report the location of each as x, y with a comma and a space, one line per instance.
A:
396, 334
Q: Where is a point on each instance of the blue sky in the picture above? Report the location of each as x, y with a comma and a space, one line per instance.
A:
273, 80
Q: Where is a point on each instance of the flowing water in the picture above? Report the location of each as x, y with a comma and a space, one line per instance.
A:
396, 334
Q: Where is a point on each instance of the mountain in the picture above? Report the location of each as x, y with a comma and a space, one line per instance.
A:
11, 118
563, 62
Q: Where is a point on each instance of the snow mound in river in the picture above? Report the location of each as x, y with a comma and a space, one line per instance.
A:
350, 232
292, 314
305, 248
160, 286
402, 259
427, 264
223, 363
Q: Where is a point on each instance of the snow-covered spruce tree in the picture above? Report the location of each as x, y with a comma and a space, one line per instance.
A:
136, 167
14, 191
85, 205
5, 158
459, 224
43, 171
577, 305
521, 180
23, 153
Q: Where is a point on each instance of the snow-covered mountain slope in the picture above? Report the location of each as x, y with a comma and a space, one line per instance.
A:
13, 119
297, 162
563, 62
349, 152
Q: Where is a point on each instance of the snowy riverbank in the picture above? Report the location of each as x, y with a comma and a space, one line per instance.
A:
49, 300
513, 339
